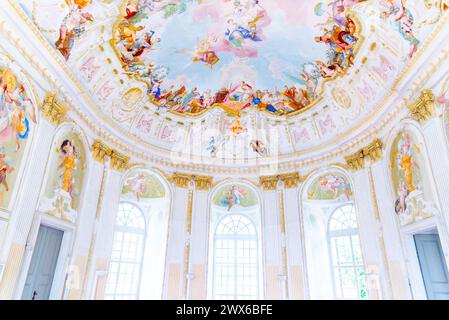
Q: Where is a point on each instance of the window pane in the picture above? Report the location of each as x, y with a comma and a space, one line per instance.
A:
235, 259
126, 259
346, 254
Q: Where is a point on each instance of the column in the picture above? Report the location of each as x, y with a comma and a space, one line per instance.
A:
271, 239
177, 240
388, 233
438, 155
385, 271
294, 243
101, 241
199, 240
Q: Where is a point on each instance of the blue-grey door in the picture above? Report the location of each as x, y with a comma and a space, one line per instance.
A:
433, 266
43, 264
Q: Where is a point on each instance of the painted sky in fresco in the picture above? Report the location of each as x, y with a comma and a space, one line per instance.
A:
287, 34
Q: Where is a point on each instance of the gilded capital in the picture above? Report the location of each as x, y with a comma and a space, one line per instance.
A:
119, 161
356, 161
424, 107
374, 150
181, 180
291, 180
269, 182
100, 151
203, 182
52, 110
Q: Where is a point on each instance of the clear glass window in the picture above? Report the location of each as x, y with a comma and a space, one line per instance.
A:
346, 254
127, 253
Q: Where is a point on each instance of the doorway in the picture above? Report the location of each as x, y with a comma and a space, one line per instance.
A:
41, 272
433, 266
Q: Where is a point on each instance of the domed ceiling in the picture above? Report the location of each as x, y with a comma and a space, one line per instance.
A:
218, 80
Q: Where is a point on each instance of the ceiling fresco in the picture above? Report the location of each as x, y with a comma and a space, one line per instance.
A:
196, 55
223, 80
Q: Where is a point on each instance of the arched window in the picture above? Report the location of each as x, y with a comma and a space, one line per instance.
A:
236, 261
127, 252
346, 254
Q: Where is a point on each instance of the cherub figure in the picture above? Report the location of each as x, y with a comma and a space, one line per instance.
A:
72, 26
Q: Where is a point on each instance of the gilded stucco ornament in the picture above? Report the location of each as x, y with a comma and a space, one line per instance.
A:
291, 180
424, 107
203, 182
100, 151
356, 161
53, 110
182, 180
373, 151
119, 161
288, 181
269, 182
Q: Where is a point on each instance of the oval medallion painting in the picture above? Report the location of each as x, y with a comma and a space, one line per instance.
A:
272, 55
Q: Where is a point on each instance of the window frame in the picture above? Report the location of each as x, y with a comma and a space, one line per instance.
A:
344, 233
235, 238
133, 231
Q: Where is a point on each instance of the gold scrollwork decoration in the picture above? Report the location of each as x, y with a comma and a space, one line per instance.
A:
100, 151
53, 110
373, 151
182, 180
119, 161
203, 182
291, 180
424, 107
269, 182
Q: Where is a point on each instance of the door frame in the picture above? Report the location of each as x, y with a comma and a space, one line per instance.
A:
64, 257
429, 225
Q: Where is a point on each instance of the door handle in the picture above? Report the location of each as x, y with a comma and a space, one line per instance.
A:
34, 295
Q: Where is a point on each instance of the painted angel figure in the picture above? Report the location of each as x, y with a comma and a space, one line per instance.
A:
233, 197
406, 162
68, 165
73, 26
397, 12
137, 184
259, 147
18, 109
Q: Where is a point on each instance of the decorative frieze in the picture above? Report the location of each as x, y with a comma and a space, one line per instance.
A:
373, 151
52, 110
424, 107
